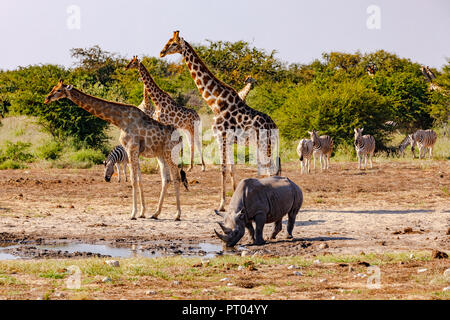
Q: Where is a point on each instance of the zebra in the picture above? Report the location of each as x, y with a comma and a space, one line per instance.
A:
305, 151
423, 138
116, 157
323, 146
365, 146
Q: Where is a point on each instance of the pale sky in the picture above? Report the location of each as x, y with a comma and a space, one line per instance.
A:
34, 32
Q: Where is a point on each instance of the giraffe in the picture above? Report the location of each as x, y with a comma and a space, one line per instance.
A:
140, 135
234, 121
168, 112
249, 81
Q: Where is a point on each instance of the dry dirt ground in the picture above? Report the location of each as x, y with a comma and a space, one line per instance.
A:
394, 207
349, 209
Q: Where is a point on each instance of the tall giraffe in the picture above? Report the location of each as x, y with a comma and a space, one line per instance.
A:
249, 81
234, 121
168, 112
140, 135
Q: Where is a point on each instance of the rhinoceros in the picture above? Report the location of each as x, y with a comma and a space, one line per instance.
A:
263, 201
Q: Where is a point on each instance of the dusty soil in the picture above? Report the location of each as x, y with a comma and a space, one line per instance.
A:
395, 206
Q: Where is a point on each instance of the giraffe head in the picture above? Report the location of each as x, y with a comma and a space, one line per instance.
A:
134, 63
174, 45
59, 91
250, 79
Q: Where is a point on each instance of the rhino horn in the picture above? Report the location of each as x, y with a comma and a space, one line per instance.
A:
225, 229
219, 213
221, 236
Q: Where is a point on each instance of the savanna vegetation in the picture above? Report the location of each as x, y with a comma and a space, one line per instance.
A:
332, 94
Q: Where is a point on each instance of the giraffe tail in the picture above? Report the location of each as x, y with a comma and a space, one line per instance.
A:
184, 179
279, 166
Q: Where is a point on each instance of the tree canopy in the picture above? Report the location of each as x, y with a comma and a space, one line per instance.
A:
333, 94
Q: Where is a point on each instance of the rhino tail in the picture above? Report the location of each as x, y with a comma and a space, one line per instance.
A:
278, 164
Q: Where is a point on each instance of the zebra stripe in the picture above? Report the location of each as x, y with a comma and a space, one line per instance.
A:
323, 146
305, 152
365, 147
424, 139
118, 156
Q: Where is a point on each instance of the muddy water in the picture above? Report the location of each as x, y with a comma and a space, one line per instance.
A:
152, 249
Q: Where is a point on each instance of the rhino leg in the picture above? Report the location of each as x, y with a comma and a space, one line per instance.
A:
260, 220
291, 222
251, 231
276, 228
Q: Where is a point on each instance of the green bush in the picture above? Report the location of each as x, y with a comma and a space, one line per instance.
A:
49, 151
12, 164
335, 110
16, 152
91, 156
15, 155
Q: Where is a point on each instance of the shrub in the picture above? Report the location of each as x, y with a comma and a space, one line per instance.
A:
92, 156
16, 152
334, 110
11, 164
49, 151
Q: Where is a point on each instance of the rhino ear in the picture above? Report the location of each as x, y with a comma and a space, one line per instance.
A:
240, 215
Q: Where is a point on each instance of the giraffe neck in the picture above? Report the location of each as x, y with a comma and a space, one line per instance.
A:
157, 95
114, 113
245, 90
211, 88
146, 104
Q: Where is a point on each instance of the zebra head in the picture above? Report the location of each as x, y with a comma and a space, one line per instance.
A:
412, 142
109, 170
358, 135
314, 137
405, 142
300, 149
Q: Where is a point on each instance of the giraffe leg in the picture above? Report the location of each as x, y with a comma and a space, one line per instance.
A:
232, 173
191, 146
141, 192
176, 177
165, 179
258, 160
125, 164
223, 160
133, 155
198, 145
